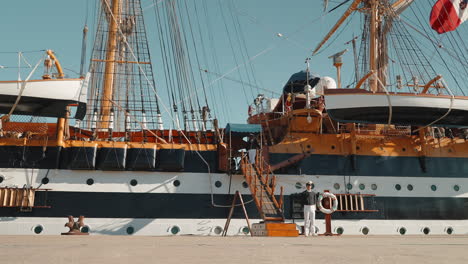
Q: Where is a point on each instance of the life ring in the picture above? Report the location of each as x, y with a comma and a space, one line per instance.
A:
334, 206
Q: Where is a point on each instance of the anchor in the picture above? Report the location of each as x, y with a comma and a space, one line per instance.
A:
75, 226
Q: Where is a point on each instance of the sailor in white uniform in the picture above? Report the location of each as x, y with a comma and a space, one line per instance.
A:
309, 200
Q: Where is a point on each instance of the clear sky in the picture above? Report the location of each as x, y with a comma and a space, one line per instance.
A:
28, 25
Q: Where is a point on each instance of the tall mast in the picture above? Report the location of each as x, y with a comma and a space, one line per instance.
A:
108, 82
373, 49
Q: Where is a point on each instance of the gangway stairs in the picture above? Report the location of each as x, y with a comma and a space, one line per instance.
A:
262, 185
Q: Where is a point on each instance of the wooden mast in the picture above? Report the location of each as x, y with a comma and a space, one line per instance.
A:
373, 49
108, 83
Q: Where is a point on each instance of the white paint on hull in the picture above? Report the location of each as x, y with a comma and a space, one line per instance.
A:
66, 89
203, 183
345, 101
211, 227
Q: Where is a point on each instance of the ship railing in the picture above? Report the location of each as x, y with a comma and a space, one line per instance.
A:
376, 130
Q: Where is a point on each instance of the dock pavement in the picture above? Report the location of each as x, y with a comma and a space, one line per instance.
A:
225, 250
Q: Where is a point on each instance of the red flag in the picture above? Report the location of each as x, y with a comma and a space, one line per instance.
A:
447, 15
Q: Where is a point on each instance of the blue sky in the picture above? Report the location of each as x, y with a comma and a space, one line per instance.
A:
28, 25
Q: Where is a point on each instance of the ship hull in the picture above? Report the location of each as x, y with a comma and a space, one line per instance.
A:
198, 206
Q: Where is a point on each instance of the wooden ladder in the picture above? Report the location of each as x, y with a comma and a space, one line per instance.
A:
262, 185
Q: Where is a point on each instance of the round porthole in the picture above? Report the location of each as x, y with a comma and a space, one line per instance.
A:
218, 230
374, 186
1, 179
403, 149
339, 230
45, 180
456, 188
298, 185
449, 230
176, 183
336, 186
362, 186
175, 230
218, 184
245, 185
90, 181
38, 229
397, 187
130, 230
365, 230
402, 230
426, 230
245, 230
358, 148
332, 147
410, 187
349, 186
433, 188
133, 182
85, 229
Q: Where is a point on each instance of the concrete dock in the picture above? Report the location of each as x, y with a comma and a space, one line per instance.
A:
226, 250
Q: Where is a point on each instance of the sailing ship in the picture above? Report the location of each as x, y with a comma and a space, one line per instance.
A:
394, 159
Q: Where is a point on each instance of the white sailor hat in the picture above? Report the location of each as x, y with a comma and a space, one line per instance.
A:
309, 183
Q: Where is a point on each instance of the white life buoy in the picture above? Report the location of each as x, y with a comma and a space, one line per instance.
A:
334, 206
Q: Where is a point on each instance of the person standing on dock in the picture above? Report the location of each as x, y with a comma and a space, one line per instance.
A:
253, 146
309, 200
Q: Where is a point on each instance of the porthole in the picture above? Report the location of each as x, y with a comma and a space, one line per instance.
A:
349, 186
456, 188
339, 230
245, 185
133, 182
38, 229
1, 179
365, 230
362, 186
333, 147
403, 149
245, 230
374, 186
402, 230
85, 229
130, 230
176, 183
298, 185
358, 148
336, 186
433, 188
45, 180
308, 146
410, 187
397, 187
218, 230
218, 184
175, 230
449, 230
426, 230
90, 181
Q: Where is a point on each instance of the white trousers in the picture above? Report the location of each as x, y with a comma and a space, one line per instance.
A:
252, 153
309, 219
